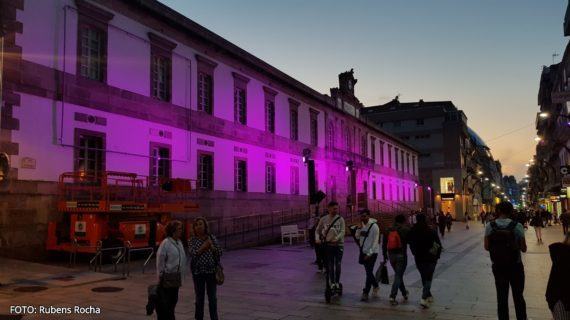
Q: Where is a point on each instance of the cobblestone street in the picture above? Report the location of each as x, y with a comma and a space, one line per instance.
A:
279, 282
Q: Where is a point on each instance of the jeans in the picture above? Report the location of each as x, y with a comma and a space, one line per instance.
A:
399, 262
426, 270
334, 260
370, 277
564, 228
319, 253
202, 283
514, 277
168, 298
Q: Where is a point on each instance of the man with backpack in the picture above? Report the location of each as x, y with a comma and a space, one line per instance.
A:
330, 231
504, 239
368, 236
395, 247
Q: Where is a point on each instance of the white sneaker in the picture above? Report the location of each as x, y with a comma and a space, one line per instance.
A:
430, 299
424, 303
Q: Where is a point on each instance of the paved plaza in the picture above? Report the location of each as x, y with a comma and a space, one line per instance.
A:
279, 282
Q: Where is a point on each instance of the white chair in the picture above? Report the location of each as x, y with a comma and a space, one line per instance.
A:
292, 232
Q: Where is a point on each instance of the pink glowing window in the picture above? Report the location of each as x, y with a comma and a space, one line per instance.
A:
363, 146
270, 177
160, 162
389, 156
374, 190
89, 152
205, 171
382, 153
295, 180
373, 148
205, 92
240, 175
330, 136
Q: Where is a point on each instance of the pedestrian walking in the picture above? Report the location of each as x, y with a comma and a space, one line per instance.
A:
448, 221
205, 252
319, 259
537, 223
441, 223
171, 267
558, 289
426, 248
504, 239
394, 248
368, 236
565, 221
331, 231
467, 220
483, 217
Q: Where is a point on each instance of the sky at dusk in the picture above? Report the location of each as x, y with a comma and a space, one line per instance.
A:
486, 56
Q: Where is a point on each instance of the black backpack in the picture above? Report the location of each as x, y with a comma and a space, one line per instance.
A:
503, 245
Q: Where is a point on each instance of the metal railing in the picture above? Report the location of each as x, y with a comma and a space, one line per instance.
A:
130, 251
96, 262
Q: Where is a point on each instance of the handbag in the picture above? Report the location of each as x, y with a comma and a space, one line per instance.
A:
435, 249
220, 277
172, 279
382, 273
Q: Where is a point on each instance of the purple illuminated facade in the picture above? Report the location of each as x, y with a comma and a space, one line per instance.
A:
137, 87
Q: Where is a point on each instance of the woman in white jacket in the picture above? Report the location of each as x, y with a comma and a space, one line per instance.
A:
368, 236
171, 267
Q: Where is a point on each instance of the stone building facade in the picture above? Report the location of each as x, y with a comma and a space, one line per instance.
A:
134, 86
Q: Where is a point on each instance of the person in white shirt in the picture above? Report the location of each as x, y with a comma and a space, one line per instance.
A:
368, 236
170, 269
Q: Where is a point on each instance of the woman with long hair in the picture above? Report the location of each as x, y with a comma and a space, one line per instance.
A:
558, 289
205, 252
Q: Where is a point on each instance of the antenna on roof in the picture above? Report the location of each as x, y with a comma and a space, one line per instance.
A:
397, 97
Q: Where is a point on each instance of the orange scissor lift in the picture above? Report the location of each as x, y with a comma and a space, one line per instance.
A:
116, 207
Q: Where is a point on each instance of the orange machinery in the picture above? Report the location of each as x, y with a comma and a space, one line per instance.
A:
115, 207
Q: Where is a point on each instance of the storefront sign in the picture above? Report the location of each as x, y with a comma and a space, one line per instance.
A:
447, 196
447, 185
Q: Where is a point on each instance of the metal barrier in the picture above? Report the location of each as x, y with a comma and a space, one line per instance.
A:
147, 260
73, 253
96, 263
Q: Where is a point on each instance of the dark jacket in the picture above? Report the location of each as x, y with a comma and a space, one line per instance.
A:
403, 231
559, 281
421, 239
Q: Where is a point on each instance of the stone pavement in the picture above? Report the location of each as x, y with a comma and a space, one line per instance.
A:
279, 282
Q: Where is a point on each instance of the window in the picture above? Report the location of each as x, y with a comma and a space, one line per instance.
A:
205, 84
382, 153
363, 146
240, 98
389, 156
348, 139
414, 171
330, 136
92, 52
420, 122
92, 41
160, 163
373, 148
270, 116
270, 177
383, 190
205, 171
397, 152
314, 127
205, 92
269, 109
160, 67
89, 153
240, 173
160, 75
294, 180
409, 163
374, 190
294, 124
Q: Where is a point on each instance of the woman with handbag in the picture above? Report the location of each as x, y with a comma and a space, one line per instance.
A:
426, 248
170, 266
206, 268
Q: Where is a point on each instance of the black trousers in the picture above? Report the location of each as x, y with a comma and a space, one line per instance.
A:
205, 283
168, 298
370, 277
512, 277
320, 255
564, 228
